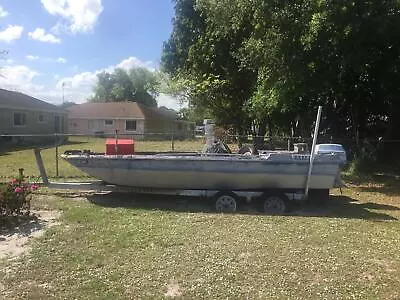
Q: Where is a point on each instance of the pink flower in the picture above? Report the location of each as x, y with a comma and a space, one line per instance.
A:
18, 190
14, 181
34, 187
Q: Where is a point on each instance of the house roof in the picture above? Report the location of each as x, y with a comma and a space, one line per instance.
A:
16, 100
118, 110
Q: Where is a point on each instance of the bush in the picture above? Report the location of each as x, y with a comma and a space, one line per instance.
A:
364, 161
15, 197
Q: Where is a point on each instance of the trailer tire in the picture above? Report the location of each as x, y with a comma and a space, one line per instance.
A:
226, 202
274, 204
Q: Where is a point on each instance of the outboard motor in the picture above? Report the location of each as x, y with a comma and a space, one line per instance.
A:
213, 145
209, 133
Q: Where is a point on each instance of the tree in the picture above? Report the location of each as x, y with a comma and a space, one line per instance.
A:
271, 63
194, 114
203, 60
67, 104
137, 84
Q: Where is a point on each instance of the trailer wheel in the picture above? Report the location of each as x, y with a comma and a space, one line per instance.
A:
225, 203
275, 204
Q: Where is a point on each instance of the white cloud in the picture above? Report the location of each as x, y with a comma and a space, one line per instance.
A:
84, 81
32, 57
12, 32
3, 12
58, 28
61, 60
78, 88
19, 78
131, 62
170, 102
80, 16
40, 34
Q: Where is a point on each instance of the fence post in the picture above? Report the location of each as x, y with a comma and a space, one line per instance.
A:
41, 167
57, 156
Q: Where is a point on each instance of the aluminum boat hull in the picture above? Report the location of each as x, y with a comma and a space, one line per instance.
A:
210, 172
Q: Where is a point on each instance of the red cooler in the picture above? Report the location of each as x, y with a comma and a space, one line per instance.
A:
125, 147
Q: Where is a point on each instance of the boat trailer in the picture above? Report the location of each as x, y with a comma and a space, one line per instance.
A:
269, 201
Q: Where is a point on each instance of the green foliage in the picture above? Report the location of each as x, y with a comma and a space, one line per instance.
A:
194, 114
360, 165
67, 104
137, 84
202, 60
15, 197
271, 63
364, 161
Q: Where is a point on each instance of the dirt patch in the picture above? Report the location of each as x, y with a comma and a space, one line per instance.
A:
16, 232
173, 290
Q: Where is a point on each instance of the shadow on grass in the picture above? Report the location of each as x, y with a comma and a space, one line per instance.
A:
153, 202
336, 207
7, 149
21, 225
347, 208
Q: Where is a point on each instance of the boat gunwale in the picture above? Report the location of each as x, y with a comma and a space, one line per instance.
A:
291, 158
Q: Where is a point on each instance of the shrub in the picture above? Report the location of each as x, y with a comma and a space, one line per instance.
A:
364, 161
15, 197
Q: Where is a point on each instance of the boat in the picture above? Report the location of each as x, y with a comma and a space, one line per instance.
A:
271, 178
210, 171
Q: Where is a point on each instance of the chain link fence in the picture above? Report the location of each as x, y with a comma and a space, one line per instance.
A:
16, 151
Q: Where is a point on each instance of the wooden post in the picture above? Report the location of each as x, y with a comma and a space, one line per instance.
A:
21, 173
40, 165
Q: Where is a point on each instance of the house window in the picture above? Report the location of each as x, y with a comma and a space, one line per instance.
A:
19, 119
42, 118
130, 125
108, 122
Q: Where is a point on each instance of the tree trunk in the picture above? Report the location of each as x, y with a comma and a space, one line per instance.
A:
258, 140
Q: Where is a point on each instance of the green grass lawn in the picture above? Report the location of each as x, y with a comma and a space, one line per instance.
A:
126, 246
131, 246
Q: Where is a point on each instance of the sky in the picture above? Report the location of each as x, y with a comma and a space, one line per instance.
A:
51, 42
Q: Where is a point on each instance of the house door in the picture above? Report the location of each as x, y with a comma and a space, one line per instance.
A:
56, 124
